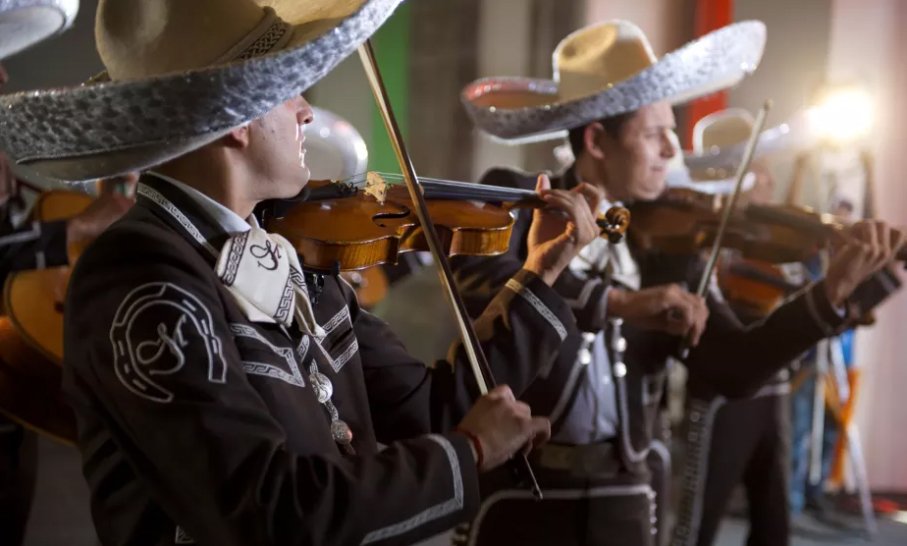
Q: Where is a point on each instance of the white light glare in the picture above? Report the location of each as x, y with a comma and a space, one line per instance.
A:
843, 115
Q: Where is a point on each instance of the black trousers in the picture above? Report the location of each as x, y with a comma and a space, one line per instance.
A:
618, 511
748, 442
18, 465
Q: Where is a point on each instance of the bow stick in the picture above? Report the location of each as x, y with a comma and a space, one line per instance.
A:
729, 206
477, 360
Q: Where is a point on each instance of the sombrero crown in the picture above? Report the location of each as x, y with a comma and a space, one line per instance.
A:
183, 74
719, 140
24, 23
608, 69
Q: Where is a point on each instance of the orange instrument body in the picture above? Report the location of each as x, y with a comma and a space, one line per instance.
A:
31, 333
344, 227
753, 288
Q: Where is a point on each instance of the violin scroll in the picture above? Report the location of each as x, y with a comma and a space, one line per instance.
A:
614, 223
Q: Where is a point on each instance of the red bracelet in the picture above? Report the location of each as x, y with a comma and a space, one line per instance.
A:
476, 445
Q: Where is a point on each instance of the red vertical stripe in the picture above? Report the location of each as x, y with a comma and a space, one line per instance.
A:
710, 15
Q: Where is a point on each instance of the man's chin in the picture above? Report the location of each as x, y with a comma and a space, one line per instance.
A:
649, 194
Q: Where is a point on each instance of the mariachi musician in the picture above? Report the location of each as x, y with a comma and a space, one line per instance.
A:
748, 435
614, 97
31, 246
225, 393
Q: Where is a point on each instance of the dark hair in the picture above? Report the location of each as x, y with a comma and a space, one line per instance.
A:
612, 125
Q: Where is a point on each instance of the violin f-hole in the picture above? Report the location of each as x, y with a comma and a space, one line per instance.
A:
387, 215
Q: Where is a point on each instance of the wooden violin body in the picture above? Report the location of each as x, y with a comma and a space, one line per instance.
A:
357, 232
684, 222
752, 288
342, 227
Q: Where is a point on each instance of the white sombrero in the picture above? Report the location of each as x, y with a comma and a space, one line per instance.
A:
24, 23
719, 140
608, 69
334, 148
711, 182
184, 73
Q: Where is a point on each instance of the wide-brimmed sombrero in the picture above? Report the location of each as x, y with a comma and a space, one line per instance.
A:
334, 148
608, 69
182, 73
24, 23
705, 181
719, 140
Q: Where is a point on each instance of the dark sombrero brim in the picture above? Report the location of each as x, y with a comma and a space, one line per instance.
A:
525, 108
24, 23
106, 129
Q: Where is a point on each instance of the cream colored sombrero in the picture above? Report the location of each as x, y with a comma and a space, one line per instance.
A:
23, 23
334, 148
719, 140
709, 181
608, 69
183, 73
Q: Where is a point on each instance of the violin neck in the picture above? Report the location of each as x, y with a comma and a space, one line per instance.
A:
434, 188
464, 191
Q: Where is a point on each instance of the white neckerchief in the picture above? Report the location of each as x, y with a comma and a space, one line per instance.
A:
260, 270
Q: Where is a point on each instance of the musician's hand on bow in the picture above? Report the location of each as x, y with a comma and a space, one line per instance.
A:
866, 248
668, 308
503, 426
560, 230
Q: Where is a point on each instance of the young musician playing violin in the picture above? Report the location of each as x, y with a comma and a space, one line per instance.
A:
226, 395
748, 435
612, 95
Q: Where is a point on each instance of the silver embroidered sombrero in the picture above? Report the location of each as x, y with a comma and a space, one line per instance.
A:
24, 23
712, 182
719, 140
608, 69
337, 148
183, 73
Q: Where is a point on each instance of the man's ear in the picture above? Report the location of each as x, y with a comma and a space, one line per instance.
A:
238, 137
593, 140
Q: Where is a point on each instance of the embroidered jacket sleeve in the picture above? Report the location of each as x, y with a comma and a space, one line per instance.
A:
171, 429
733, 360
521, 331
481, 277
33, 246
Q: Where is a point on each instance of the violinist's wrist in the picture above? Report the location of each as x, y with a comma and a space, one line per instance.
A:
475, 444
835, 294
617, 299
547, 274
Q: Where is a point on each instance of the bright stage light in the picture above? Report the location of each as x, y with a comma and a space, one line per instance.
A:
842, 115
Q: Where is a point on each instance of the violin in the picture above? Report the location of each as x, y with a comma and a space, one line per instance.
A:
820, 228
684, 221
369, 219
753, 288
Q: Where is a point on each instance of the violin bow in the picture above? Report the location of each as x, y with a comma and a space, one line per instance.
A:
729, 206
479, 364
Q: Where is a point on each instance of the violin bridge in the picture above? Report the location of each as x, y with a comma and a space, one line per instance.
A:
376, 186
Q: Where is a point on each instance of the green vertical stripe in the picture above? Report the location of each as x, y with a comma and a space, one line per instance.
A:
392, 49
